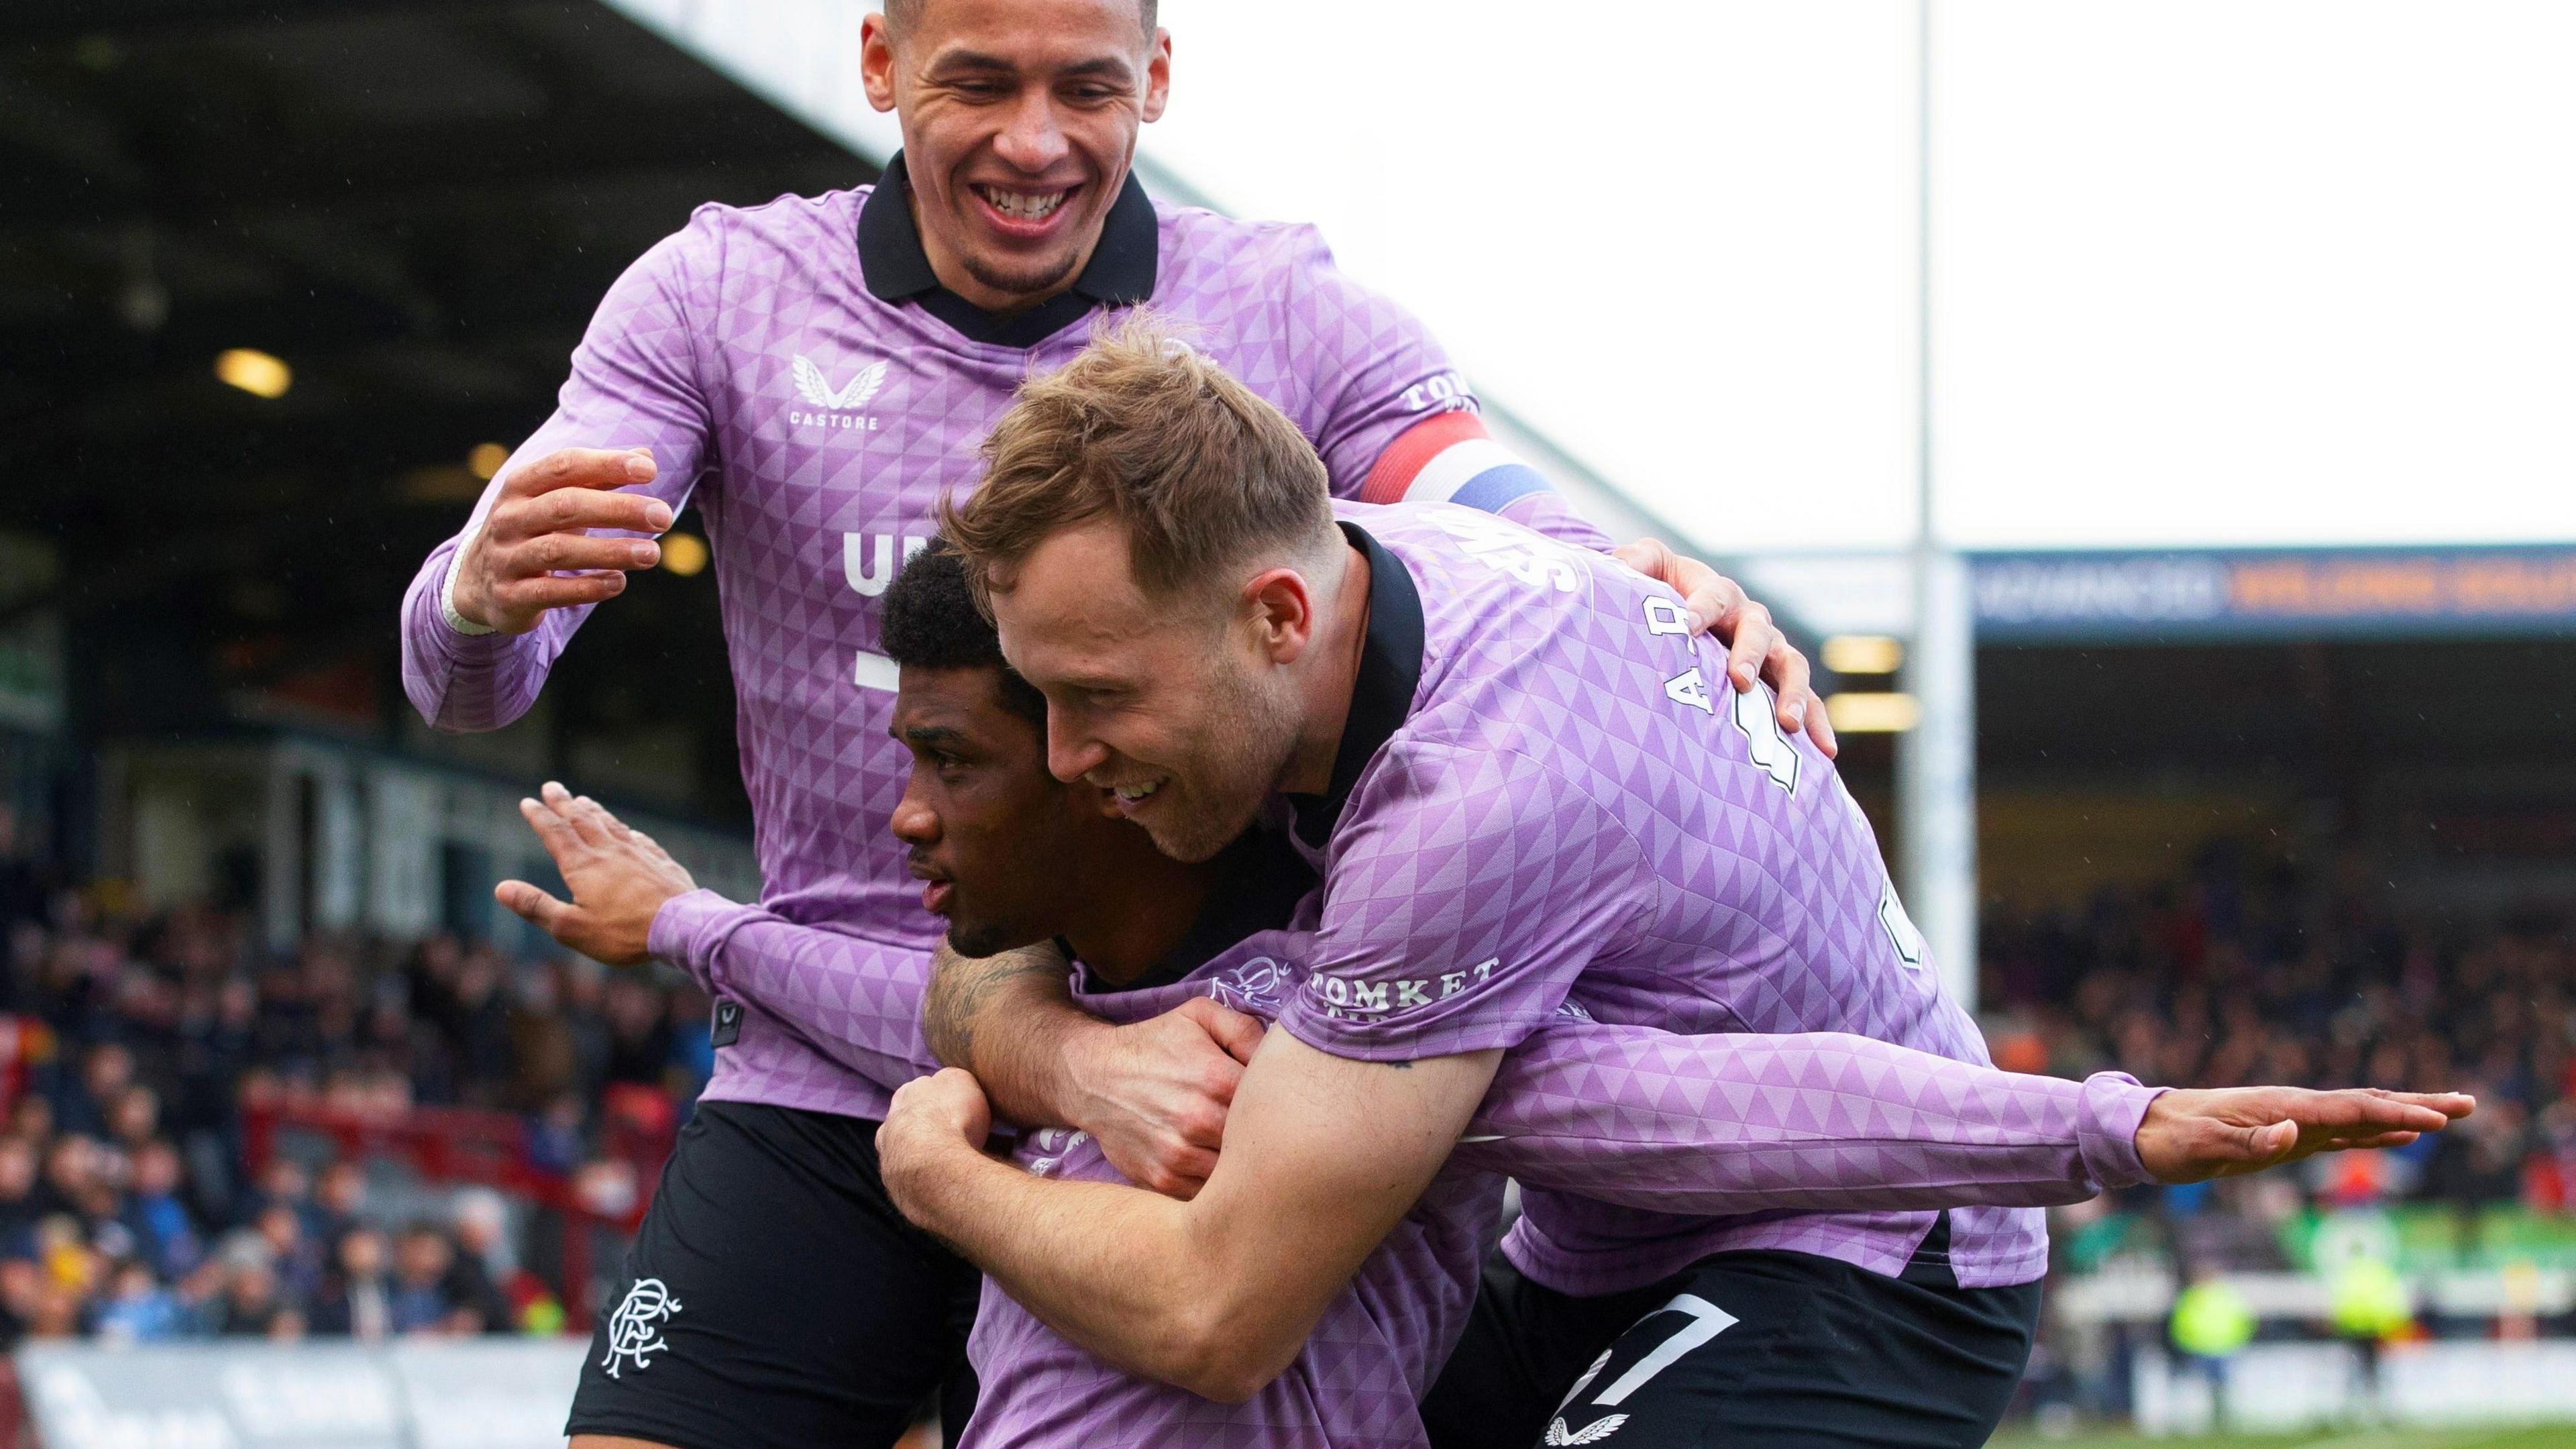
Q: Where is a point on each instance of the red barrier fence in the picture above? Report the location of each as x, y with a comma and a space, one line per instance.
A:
492, 1149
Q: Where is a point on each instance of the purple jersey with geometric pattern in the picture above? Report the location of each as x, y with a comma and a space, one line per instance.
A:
1576, 808
1710, 1124
817, 426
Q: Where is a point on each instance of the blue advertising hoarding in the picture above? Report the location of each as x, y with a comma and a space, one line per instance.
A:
2212, 594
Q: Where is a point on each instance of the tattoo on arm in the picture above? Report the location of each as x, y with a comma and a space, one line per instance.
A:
963, 988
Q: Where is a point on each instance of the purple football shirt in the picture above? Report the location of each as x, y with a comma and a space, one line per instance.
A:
1575, 808
1701, 1124
816, 426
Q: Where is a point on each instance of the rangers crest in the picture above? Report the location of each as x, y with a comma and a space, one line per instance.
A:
634, 1329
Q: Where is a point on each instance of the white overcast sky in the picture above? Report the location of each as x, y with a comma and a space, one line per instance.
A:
2205, 271
2268, 271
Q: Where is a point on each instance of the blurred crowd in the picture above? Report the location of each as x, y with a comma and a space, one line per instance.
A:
2254, 970
140, 1054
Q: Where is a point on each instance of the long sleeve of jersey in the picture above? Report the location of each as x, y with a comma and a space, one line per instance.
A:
634, 383
1725, 1125
856, 1000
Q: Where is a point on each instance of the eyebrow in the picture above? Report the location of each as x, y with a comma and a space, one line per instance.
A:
929, 735
1115, 67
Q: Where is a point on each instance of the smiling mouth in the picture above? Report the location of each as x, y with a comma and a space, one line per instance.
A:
1024, 206
1128, 797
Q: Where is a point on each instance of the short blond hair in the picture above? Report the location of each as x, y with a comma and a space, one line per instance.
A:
1196, 469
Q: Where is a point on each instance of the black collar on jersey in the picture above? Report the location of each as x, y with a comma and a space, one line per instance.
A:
1382, 695
1259, 880
1120, 273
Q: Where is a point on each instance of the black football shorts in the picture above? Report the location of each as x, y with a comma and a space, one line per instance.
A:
1744, 1350
775, 1299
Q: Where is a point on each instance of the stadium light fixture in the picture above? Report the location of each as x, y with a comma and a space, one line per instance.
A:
684, 554
1863, 654
486, 459
1872, 713
254, 372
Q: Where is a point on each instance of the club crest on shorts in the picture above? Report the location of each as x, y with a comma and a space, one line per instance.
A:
634, 1330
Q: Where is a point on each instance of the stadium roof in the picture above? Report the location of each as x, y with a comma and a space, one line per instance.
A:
415, 206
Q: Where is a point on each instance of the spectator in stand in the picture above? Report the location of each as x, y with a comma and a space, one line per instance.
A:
479, 1025
2259, 970
106, 1074
339, 1201
483, 1261
135, 1119
75, 1182
358, 1300
639, 1040
293, 1255
138, 1040
21, 1203
162, 1226
251, 1303
36, 1306
421, 1305
138, 1309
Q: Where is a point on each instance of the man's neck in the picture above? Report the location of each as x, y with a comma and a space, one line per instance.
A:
1141, 911
1339, 637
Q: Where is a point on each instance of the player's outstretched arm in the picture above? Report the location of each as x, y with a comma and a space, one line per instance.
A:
847, 995
1217, 1294
1153, 1093
1724, 1124
2194, 1135
572, 510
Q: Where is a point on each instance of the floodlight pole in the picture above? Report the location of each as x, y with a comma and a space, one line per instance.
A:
1936, 762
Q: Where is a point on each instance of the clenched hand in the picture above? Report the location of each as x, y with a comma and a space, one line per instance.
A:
1155, 1093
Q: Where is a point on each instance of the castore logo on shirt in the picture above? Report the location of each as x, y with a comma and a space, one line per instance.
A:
836, 407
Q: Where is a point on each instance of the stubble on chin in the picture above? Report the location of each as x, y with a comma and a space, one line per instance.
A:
1192, 837
1045, 276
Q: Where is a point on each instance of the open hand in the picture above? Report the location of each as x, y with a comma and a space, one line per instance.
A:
618, 877
1154, 1094
535, 550
2192, 1136
1755, 647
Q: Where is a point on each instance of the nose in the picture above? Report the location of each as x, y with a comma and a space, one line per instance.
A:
1071, 752
915, 823
1031, 140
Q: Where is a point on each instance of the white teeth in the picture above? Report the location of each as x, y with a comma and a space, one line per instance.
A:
1026, 206
1133, 793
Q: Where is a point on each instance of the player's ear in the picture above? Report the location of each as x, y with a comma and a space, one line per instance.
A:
876, 62
1281, 612
1158, 75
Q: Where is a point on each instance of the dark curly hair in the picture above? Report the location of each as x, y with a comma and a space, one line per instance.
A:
931, 622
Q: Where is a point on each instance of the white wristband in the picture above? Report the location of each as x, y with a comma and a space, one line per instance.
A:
447, 591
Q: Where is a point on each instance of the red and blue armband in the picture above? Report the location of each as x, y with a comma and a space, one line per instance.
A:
1450, 458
